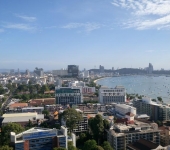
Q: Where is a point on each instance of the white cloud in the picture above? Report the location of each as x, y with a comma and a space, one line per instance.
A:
25, 27
2, 30
86, 26
145, 14
27, 18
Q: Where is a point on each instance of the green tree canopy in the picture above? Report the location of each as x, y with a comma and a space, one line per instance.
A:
98, 148
2, 90
25, 97
59, 148
83, 137
97, 127
44, 88
6, 147
5, 132
70, 146
90, 145
71, 116
45, 112
106, 124
160, 99
106, 146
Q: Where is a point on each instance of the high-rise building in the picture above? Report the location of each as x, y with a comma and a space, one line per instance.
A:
101, 68
154, 110
39, 72
85, 89
112, 95
73, 70
121, 135
12, 71
62, 72
81, 126
150, 68
27, 73
18, 72
68, 95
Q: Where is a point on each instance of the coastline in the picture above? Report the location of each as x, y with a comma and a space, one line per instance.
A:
100, 79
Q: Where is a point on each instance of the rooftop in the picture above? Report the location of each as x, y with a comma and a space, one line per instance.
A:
143, 144
119, 128
14, 105
19, 114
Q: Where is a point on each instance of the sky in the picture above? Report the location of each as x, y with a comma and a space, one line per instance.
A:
52, 34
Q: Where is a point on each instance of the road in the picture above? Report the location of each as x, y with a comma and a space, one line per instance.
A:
6, 102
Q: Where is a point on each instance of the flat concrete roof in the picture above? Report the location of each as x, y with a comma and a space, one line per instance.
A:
19, 114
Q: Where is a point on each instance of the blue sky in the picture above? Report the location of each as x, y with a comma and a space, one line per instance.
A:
114, 33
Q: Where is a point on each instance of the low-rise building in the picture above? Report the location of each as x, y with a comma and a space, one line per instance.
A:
33, 109
21, 118
42, 101
41, 139
16, 106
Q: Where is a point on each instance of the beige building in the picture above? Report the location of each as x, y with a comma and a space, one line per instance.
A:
165, 136
120, 135
21, 118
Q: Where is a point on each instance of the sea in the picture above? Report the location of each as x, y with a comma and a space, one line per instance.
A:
150, 86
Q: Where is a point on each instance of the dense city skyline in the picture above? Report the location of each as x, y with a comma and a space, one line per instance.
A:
112, 33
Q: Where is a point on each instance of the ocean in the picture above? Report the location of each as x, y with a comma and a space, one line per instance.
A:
150, 86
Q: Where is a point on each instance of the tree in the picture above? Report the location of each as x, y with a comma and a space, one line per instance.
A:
90, 145
71, 117
59, 148
106, 146
160, 99
45, 112
5, 132
97, 127
2, 90
30, 124
98, 148
25, 97
6, 147
106, 124
154, 100
83, 137
70, 146
44, 88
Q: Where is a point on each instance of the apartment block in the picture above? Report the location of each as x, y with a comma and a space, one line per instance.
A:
123, 134
154, 110
85, 89
41, 139
112, 95
68, 95
82, 126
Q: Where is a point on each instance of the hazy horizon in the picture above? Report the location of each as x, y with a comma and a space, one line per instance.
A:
112, 33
